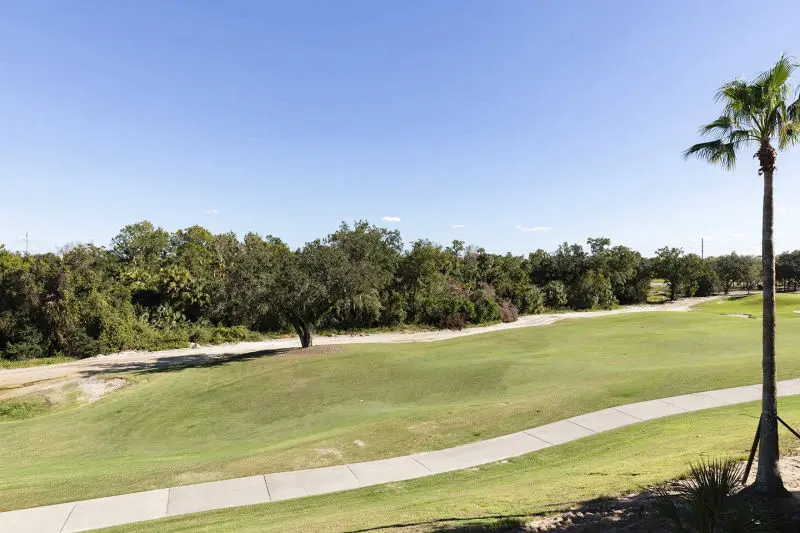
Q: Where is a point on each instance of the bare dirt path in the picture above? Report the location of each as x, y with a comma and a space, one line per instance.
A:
128, 361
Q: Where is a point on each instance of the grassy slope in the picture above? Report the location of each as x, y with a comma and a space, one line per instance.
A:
280, 413
613, 463
785, 306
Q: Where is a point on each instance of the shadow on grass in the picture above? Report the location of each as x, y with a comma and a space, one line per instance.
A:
476, 524
633, 513
179, 363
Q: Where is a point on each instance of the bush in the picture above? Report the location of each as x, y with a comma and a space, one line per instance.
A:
484, 304
555, 295
530, 301
24, 350
592, 290
453, 321
222, 335
634, 291
707, 284
438, 303
709, 500
508, 311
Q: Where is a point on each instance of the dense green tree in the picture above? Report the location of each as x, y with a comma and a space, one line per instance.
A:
668, 264
141, 244
763, 113
787, 269
155, 289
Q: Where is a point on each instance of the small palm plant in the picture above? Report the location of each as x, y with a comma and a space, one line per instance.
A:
709, 501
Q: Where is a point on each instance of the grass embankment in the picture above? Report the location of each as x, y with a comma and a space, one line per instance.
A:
786, 306
362, 402
617, 462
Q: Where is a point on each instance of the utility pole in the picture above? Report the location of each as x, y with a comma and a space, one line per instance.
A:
702, 248
27, 241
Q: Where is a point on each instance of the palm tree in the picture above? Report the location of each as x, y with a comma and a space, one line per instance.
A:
759, 113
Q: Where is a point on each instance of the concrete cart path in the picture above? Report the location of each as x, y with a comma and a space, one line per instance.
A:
160, 503
125, 361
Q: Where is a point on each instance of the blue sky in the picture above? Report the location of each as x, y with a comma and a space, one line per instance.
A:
288, 117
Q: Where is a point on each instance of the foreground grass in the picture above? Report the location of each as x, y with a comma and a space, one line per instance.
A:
275, 413
609, 464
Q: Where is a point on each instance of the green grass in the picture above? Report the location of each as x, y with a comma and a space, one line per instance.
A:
41, 402
613, 463
276, 413
5, 363
23, 408
785, 306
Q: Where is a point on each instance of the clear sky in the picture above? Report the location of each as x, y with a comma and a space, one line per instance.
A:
472, 120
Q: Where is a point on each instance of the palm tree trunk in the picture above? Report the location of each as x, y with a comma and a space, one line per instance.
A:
768, 479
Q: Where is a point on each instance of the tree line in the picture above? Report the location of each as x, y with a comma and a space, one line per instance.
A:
153, 289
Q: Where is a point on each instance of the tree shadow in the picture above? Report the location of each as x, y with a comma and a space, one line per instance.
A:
475, 524
180, 363
629, 514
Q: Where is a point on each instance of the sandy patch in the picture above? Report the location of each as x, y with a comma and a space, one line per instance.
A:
359, 443
95, 388
329, 451
59, 391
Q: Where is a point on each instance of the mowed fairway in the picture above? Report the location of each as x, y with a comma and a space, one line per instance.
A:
276, 413
785, 306
618, 462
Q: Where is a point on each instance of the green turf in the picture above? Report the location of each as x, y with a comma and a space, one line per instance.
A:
785, 306
617, 462
5, 363
276, 413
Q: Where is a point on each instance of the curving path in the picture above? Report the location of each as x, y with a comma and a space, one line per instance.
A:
140, 506
124, 361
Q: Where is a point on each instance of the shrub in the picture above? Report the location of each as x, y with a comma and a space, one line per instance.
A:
592, 290
438, 301
634, 291
24, 350
555, 295
484, 304
453, 321
508, 311
234, 334
707, 284
709, 500
534, 300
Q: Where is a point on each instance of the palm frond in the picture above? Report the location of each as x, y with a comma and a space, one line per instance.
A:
789, 134
715, 152
774, 80
793, 109
741, 137
734, 90
721, 126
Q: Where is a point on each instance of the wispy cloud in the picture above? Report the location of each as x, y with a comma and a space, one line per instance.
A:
457, 226
212, 211
737, 235
534, 228
391, 219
